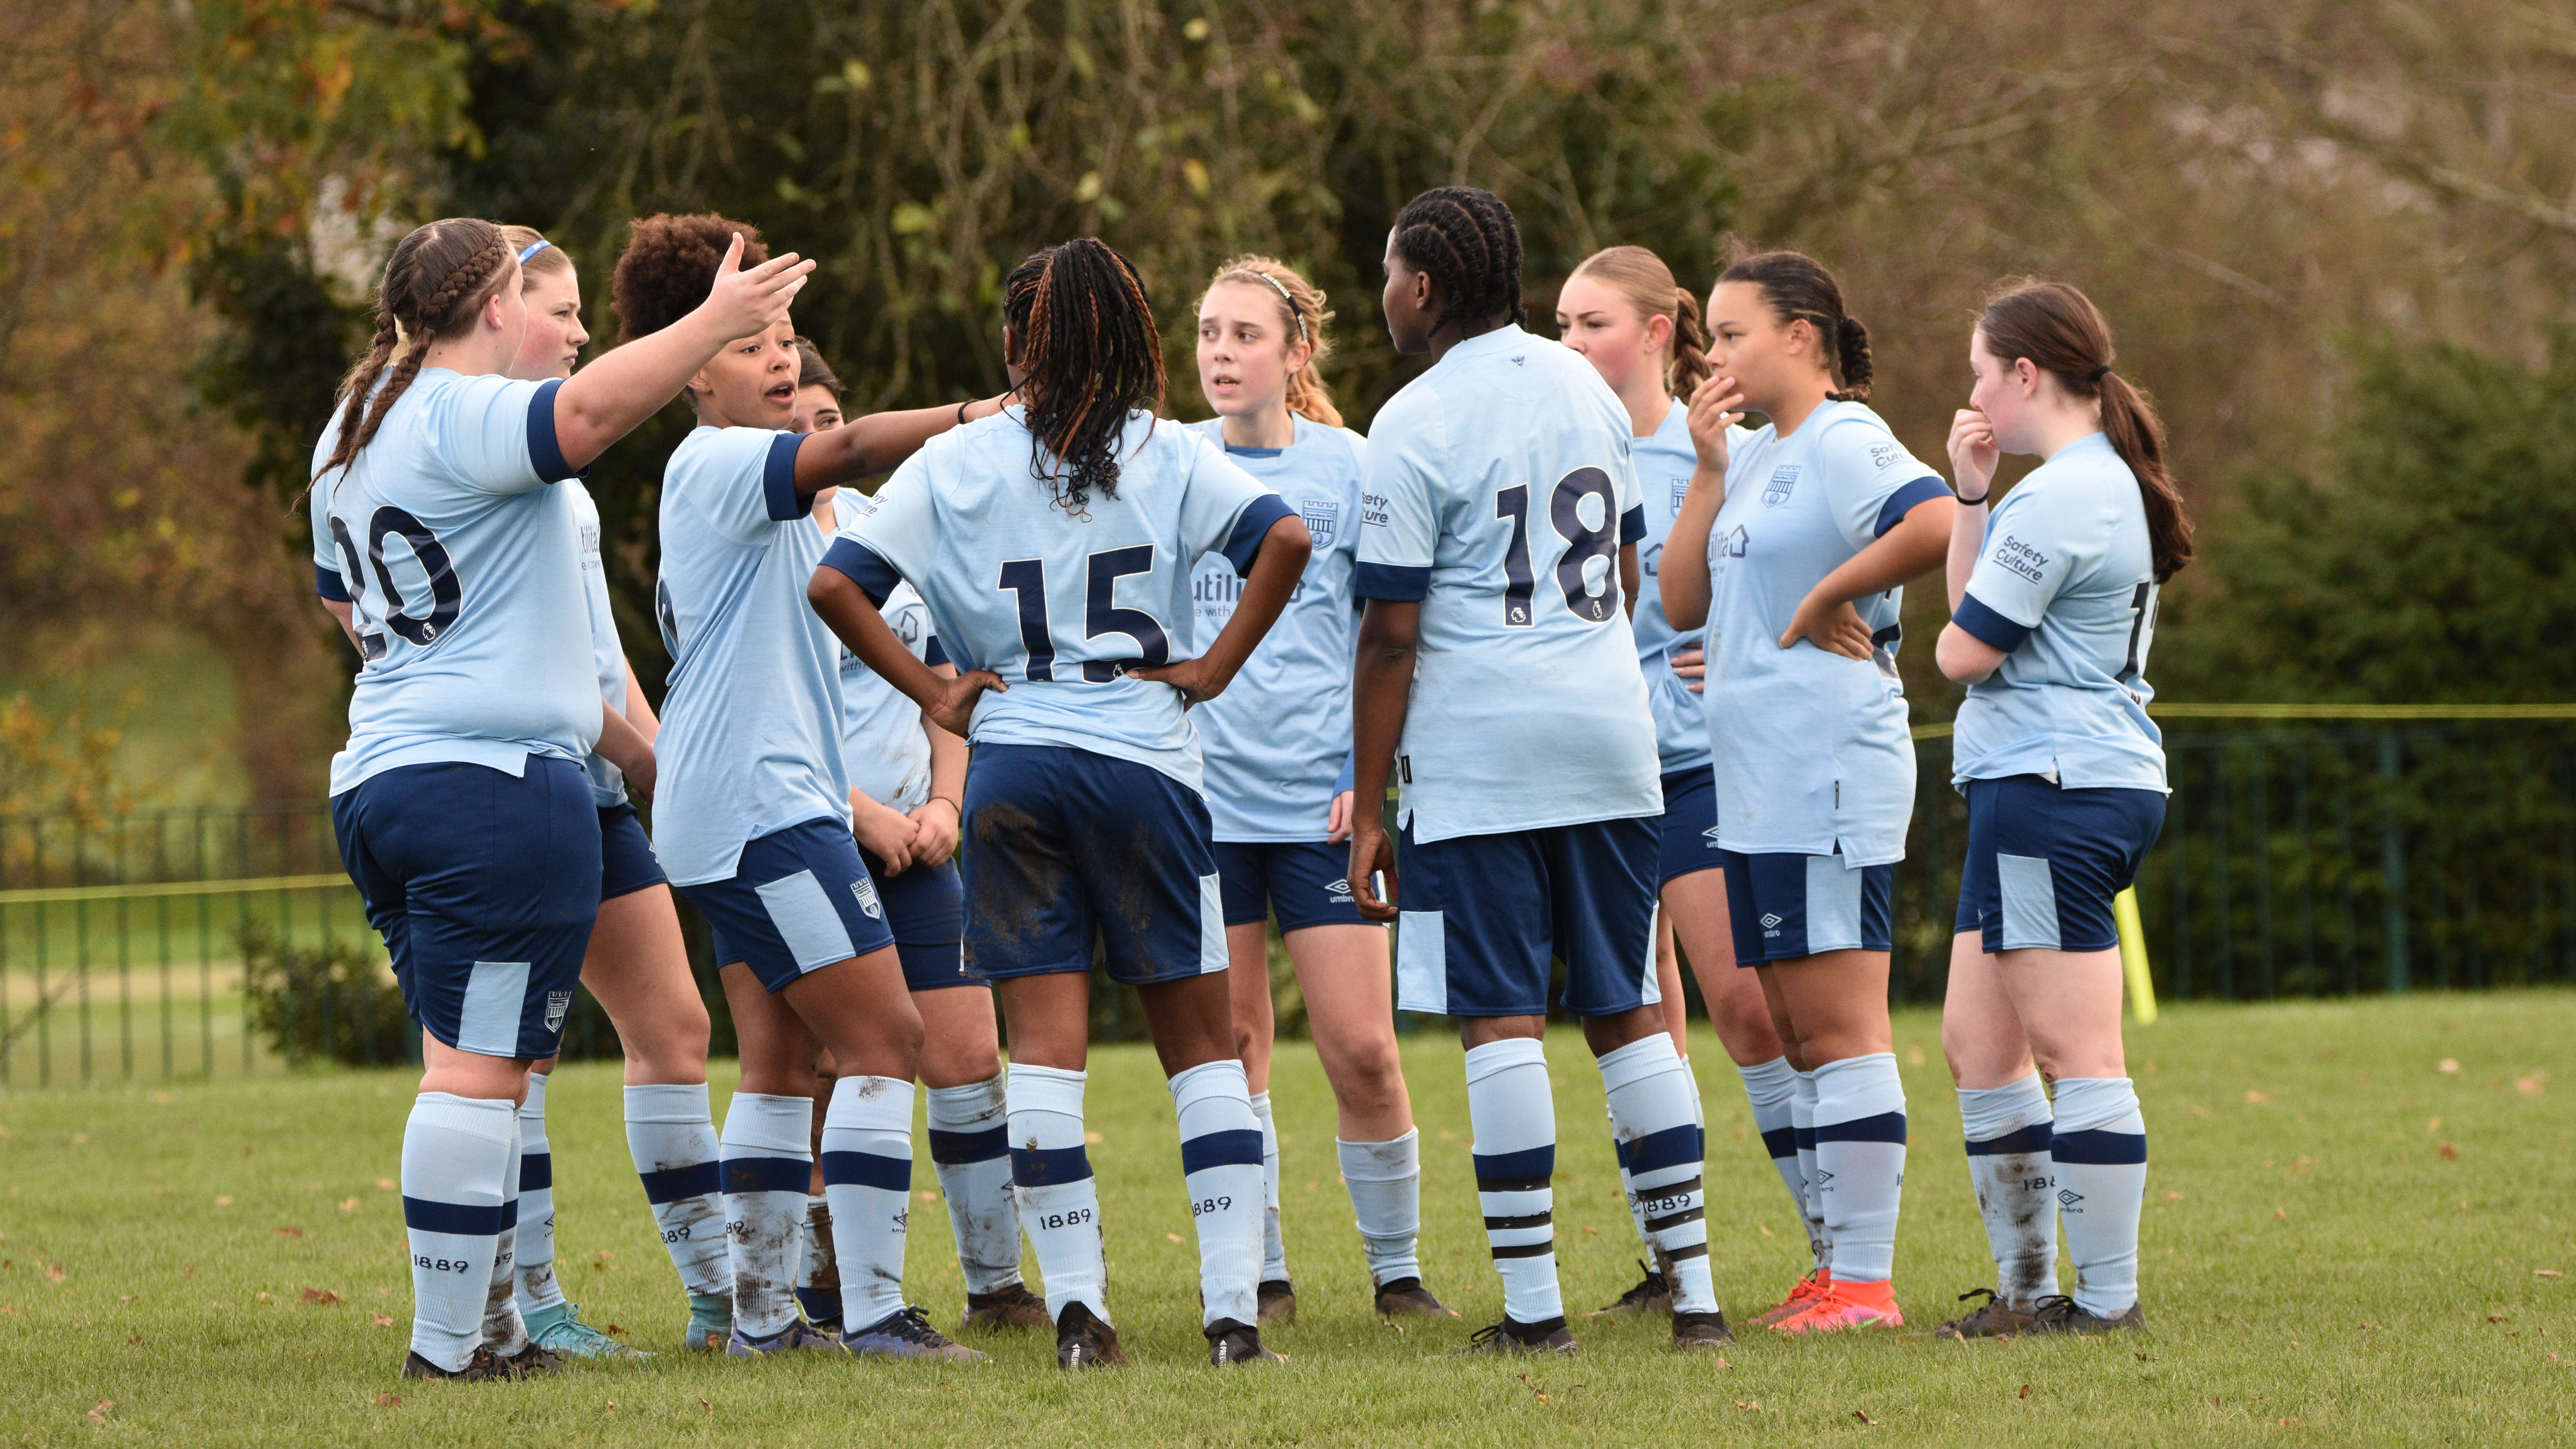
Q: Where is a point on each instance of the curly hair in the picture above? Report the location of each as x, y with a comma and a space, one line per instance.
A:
1464, 236
670, 264
1302, 314
434, 286
1091, 355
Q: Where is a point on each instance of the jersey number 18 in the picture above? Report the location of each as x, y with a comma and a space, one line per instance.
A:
1583, 543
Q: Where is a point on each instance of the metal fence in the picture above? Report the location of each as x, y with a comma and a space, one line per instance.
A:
2329, 856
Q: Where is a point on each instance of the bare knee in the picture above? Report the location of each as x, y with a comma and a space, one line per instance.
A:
671, 1046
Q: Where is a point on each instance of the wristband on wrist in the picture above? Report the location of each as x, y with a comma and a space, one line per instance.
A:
1980, 498
957, 809
961, 413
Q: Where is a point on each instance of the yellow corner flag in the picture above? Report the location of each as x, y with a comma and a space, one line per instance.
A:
2133, 956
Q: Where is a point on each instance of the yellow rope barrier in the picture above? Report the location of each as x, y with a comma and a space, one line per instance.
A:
1941, 730
57, 895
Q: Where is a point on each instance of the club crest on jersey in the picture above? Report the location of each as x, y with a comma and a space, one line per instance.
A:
1681, 488
1321, 515
558, 1005
1784, 481
866, 890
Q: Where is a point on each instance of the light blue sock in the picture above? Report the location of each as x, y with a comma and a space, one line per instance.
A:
672, 1137
1657, 1122
1221, 1159
867, 1175
1768, 1089
2008, 1133
1860, 1163
534, 1253
1059, 1200
1274, 1248
768, 1164
2101, 1156
1385, 1182
1514, 1115
970, 1146
456, 1163
818, 1271
504, 1332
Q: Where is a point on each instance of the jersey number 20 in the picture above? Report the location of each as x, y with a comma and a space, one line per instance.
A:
1026, 579
446, 596
1583, 543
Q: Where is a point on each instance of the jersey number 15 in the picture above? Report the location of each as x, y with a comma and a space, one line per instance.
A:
1026, 579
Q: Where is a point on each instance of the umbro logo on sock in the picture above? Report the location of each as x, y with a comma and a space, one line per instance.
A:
1821, 1178
2067, 1198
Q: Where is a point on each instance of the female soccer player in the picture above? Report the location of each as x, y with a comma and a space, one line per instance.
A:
1794, 556
2053, 607
751, 815
1053, 546
1496, 673
907, 777
460, 802
1277, 746
1622, 311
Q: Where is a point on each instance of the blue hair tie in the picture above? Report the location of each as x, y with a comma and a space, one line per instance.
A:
532, 248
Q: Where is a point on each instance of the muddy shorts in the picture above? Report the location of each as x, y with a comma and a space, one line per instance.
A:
1064, 847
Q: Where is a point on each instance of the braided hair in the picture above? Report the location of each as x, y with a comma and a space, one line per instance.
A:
1090, 355
1465, 238
434, 286
1800, 289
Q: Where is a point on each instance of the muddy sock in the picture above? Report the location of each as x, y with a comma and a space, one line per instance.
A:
970, 1146
867, 1173
768, 1164
2008, 1131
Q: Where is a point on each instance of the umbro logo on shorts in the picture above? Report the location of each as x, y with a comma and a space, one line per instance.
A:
1339, 892
558, 1003
1710, 835
866, 891
1770, 924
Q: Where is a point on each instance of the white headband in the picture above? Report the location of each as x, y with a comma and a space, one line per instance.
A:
1293, 314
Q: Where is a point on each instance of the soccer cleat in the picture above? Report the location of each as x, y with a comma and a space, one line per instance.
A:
1083, 1341
1407, 1298
795, 1337
710, 1324
1807, 1291
1010, 1306
1230, 1342
1991, 1319
1505, 1337
2058, 1313
1700, 1330
1278, 1301
906, 1334
1846, 1305
1651, 1295
480, 1368
560, 1330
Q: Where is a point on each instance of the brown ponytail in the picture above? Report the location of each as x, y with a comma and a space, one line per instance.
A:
2059, 329
1303, 313
1799, 289
434, 286
1640, 276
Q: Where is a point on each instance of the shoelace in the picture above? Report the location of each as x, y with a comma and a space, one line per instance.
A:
1651, 1284
2055, 1308
1487, 1334
1988, 1293
912, 1325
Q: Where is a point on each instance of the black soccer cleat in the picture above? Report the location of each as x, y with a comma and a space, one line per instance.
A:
1278, 1300
1011, 1306
533, 1362
1994, 1318
1082, 1341
2058, 1313
1230, 1342
483, 1367
1508, 1337
1651, 1295
1407, 1298
1692, 1331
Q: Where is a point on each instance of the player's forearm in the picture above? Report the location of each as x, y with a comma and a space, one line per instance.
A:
620, 743
1682, 575
1967, 536
1275, 572
865, 447
847, 610
1381, 689
345, 613
608, 399
1913, 548
1629, 579
947, 754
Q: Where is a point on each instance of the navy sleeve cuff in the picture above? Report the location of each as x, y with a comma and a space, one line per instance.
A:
1349, 776
1988, 627
1244, 544
778, 477
932, 654
1395, 583
1632, 525
1902, 501
543, 450
862, 566
329, 584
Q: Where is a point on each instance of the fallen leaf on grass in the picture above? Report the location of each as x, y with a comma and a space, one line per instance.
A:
223, 1200
1863, 1416
137, 1338
290, 1232
98, 1411
616, 1330
124, 1297
384, 1184
2286, 1423
2547, 1273
77, 1139
2447, 1064
1175, 1237
710, 1408
2025, 1392
1092, 1139
262, 1297
2142, 1358
1765, 1228
2448, 1152
9, 1308
2495, 1318
388, 1401
602, 1259
2258, 1099
1590, 1231
930, 1197
2173, 1197
379, 1320
54, 1272
2280, 1215
1748, 1406
348, 1204
321, 1298
2528, 1086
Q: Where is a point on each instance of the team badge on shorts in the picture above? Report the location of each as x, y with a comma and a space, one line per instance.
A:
558, 1004
1321, 517
1784, 480
866, 890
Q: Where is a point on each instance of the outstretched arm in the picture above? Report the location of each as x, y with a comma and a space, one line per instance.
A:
1275, 572
877, 443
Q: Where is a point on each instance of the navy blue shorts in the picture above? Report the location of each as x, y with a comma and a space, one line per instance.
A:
1302, 879
1481, 917
1063, 845
925, 907
626, 860
2044, 862
800, 899
1784, 907
485, 886
1690, 823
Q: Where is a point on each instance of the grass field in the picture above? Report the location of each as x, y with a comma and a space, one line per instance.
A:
2356, 1220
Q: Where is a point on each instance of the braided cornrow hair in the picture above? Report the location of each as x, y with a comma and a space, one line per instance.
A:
1303, 313
434, 286
1464, 236
1800, 289
1091, 356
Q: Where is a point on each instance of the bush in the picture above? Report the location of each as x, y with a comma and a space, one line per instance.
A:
335, 1002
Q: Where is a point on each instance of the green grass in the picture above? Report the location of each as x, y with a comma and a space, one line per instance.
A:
2312, 1254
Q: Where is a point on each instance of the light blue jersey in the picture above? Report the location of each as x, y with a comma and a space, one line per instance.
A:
607, 652
1500, 489
1057, 602
1811, 750
751, 727
885, 750
1665, 461
461, 561
1278, 741
2066, 587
